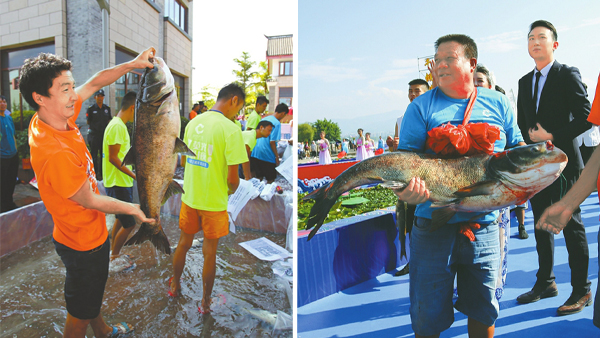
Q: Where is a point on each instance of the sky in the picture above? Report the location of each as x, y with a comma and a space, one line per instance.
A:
355, 60
225, 29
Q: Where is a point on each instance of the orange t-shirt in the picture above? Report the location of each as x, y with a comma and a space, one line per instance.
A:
193, 114
594, 116
63, 164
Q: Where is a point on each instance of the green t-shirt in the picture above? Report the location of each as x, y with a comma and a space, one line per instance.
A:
115, 133
253, 120
217, 143
249, 137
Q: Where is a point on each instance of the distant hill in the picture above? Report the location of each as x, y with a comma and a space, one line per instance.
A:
377, 124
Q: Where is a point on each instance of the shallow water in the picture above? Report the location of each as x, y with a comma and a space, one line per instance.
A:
32, 299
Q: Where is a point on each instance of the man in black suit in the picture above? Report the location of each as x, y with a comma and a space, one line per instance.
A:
553, 106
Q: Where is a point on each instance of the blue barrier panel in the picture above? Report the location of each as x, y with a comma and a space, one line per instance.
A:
345, 253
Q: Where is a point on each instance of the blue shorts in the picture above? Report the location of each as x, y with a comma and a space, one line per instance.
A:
87, 272
435, 259
124, 194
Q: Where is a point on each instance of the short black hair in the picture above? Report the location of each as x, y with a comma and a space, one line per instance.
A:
201, 103
282, 108
128, 100
37, 75
195, 105
262, 99
2, 97
544, 23
468, 44
231, 90
419, 82
264, 123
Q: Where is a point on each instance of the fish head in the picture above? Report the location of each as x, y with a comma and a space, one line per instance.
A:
156, 83
533, 166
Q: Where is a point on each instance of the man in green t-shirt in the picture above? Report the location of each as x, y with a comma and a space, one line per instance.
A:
263, 129
118, 180
208, 180
259, 107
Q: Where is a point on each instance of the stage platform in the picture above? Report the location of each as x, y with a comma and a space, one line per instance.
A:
379, 307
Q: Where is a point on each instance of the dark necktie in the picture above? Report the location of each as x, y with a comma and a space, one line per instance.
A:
535, 91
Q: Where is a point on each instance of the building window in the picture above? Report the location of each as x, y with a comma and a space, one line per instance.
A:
128, 82
180, 90
285, 95
286, 68
178, 13
12, 60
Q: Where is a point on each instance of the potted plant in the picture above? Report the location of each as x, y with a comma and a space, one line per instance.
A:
23, 147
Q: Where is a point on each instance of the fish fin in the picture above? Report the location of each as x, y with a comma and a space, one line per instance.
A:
401, 225
440, 217
479, 188
129, 158
376, 179
181, 147
396, 185
159, 240
173, 189
442, 204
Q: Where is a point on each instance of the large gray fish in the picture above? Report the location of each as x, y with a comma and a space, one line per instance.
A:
477, 184
154, 149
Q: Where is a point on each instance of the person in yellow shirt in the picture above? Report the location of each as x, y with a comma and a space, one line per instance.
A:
118, 180
259, 107
208, 180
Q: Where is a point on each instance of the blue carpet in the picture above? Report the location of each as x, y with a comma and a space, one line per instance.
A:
380, 307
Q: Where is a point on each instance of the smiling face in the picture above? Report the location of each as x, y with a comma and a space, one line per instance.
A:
61, 98
454, 71
541, 44
2, 105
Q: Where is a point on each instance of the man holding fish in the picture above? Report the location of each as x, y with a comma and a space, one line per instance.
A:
437, 256
68, 186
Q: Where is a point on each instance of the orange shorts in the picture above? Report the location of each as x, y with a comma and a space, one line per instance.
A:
214, 223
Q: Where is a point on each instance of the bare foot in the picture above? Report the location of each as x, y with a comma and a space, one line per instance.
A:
175, 286
205, 306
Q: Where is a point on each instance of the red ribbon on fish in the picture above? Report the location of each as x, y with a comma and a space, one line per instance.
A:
463, 140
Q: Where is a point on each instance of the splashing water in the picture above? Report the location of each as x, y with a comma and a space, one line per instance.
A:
32, 282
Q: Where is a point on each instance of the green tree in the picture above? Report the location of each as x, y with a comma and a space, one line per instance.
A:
331, 129
306, 132
245, 75
208, 96
262, 76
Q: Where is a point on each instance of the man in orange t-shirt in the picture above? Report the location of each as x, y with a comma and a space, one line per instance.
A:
67, 183
194, 111
556, 216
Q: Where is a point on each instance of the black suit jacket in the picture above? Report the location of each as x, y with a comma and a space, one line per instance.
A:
563, 110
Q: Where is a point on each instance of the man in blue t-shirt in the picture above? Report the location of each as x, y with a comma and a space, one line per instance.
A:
264, 158
9, 165
435, 258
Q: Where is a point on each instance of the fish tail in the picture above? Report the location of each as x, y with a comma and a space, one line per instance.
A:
320, 210
159, 240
